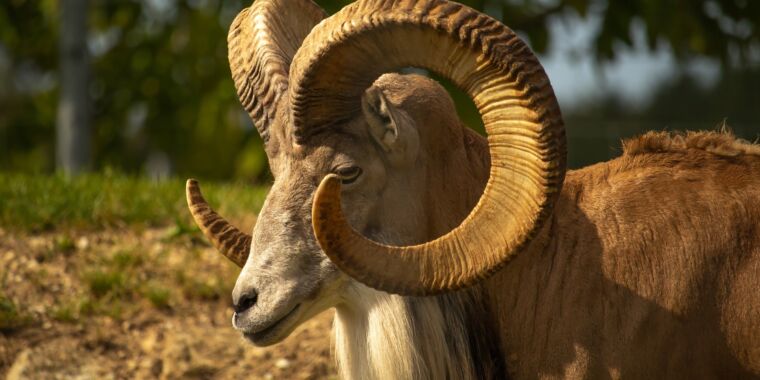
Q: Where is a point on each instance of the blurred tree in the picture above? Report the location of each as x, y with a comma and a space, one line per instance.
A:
163, 101
595, 129
28, 93
723, 29
163, 97
73, 123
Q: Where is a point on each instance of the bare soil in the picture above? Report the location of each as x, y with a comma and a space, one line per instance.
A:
150, 304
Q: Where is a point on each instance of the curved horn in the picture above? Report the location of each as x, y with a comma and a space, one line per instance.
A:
262, 42
230, 241
346, 53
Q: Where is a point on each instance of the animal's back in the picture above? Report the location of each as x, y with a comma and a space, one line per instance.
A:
678, 225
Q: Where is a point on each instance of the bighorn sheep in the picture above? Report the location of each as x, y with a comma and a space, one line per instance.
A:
647, 266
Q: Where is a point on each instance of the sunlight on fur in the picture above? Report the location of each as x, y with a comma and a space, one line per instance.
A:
386, 336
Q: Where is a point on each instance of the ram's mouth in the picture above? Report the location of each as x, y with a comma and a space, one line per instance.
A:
268, 333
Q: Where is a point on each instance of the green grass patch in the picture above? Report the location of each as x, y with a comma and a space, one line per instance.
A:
94, 201
126, 259
157, 295
207, 287
65, 244
74, 312
105, 282
11, 317
67, 312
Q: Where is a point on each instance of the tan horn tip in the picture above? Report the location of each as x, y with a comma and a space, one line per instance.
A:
230, 241
193, 193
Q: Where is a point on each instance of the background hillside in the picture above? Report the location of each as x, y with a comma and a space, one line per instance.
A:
103, 277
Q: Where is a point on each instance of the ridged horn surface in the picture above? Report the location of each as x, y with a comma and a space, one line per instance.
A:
344, 54
228, 240
262, 42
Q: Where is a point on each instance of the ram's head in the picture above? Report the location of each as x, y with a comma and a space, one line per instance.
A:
344, 133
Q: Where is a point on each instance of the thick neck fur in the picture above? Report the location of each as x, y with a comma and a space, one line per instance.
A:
382, 336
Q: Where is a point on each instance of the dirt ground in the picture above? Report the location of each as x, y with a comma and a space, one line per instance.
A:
134, 305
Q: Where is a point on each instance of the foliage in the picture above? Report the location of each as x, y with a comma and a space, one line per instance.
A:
724, 29
95, 201
713, 28
595, 129
163, 100
161, 89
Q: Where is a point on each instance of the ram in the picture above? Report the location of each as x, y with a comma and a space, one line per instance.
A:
465, 258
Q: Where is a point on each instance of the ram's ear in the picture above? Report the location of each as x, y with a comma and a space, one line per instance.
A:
390, 128
381, 119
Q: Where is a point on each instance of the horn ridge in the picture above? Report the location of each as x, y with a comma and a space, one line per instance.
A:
228, 240
261, 42
509, 87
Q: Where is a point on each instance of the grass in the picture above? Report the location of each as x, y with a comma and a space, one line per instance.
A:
87, 232
115, 283
158, 295
125, 259
118, 283
11, 317
209, 287
105, 282
66, 312
64, 244
94, 201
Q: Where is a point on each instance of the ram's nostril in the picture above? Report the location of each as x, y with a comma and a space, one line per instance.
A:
246, 302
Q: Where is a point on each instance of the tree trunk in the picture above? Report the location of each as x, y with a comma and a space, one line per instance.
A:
73, 124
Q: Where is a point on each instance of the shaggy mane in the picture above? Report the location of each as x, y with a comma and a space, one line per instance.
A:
721, 143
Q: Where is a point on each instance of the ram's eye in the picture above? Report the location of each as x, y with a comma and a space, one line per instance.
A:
349, 174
